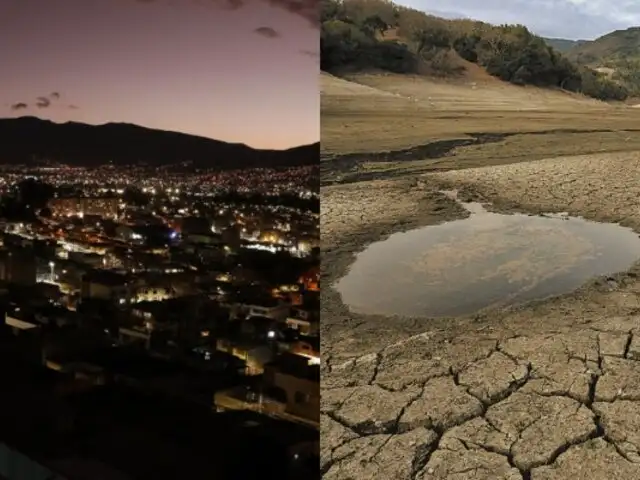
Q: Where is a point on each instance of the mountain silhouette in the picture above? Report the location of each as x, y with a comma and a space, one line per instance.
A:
25, 140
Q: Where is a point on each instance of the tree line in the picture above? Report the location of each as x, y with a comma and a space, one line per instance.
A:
377, 34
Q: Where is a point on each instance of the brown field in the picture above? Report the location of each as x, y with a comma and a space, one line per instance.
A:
387, 113
545, 391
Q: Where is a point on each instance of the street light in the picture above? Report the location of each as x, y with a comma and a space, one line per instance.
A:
52, 266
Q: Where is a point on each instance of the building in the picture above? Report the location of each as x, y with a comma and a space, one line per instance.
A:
290, 390
149, 235
303, 321
104, 207
298, 384
267, 307
106, 285
309, 348
254, 354
151, 293
18, 265
311, 280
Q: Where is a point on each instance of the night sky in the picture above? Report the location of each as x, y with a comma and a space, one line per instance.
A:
234, 70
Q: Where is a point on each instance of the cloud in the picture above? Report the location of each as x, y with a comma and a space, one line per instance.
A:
572, 19
307, 9
43, 102
267, 32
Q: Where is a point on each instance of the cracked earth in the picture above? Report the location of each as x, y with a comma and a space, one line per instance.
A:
550, 392
548, 406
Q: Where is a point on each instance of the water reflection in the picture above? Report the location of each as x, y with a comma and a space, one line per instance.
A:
486, 260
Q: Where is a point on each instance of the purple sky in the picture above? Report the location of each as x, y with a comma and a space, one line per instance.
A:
248, 74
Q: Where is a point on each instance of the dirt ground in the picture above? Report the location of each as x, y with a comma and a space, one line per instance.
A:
550, 390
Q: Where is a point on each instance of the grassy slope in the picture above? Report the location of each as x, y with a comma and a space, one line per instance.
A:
621, 43
562, 45
374, 112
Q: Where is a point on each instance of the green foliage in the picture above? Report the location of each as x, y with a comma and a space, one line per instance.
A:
598, 86
467, 46
353, 36
561, 45
627, 74
435, 37
519, 57
354, 39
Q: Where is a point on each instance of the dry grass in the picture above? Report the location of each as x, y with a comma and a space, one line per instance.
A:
383, 112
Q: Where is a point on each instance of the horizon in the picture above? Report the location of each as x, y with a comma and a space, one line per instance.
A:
561, 19
197, 67
155, 129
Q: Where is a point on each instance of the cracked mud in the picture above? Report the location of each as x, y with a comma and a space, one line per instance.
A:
549, 391
507, 408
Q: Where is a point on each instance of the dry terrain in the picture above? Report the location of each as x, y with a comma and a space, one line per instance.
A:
391, 125
549, 390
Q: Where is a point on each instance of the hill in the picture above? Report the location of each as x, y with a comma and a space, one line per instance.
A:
562, 45
28, 139
610, 48
616, 54
361, 35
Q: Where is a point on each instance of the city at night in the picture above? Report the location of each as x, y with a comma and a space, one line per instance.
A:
159, 240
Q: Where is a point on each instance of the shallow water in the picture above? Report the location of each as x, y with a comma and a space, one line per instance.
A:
486, 260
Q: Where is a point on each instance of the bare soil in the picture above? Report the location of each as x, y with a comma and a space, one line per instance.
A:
549, 390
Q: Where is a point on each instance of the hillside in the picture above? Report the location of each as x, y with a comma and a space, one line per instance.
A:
365, 35
463, 95
403, 117
562, 45
610, 48
616, 55
27, 139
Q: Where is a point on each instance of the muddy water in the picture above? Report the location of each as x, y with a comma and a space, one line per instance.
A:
486, 260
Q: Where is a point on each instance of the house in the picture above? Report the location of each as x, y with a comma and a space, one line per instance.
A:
296, 384
307, 347
151, 293
255, 354
106, 285
310, 280
267, 307
289, 389
304, 321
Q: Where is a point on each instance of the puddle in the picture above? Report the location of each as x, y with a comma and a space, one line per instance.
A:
486, 260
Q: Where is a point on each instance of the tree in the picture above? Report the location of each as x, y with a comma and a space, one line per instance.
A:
329, 10
351, 38
430, 38
374, 25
